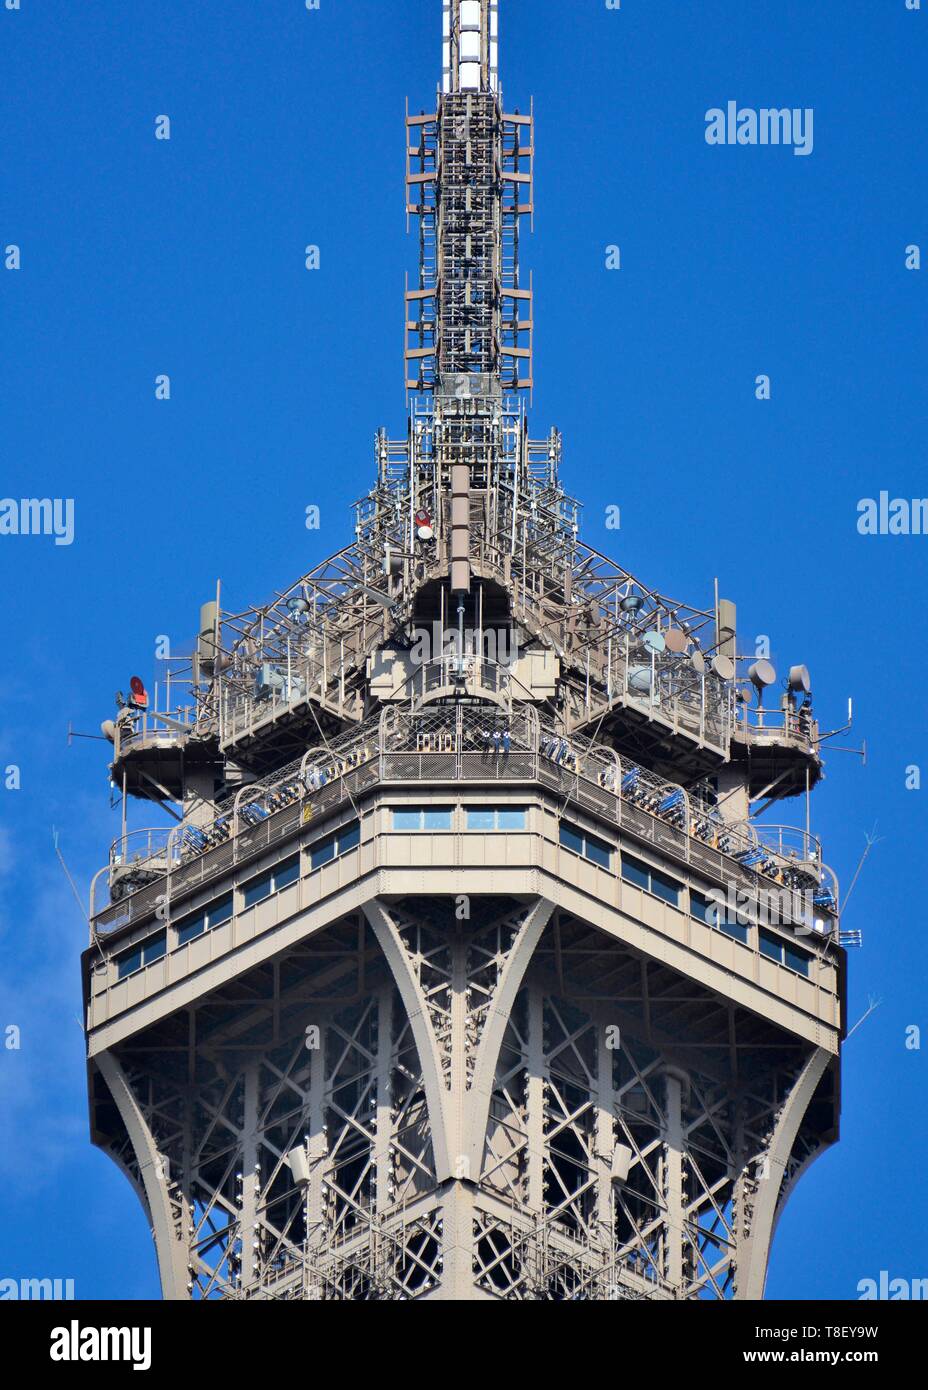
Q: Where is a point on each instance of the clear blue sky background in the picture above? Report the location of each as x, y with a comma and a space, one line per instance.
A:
142, 257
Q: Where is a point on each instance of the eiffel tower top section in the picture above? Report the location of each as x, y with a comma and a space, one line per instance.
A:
469, 185
450, 812
466, 547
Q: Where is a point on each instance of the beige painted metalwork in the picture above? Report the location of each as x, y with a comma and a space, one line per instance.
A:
465, 963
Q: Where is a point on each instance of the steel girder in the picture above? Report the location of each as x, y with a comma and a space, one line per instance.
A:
461, 1075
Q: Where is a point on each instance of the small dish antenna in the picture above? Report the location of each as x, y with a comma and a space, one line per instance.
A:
761, 674
676, 639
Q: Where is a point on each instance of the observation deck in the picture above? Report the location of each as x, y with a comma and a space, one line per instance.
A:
592, 829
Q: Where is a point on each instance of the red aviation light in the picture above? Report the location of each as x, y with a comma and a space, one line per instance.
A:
139, 696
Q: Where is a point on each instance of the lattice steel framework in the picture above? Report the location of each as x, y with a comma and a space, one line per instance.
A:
461, 1087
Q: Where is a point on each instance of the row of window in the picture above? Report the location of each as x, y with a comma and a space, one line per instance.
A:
784, 952
581, 842
476, 817
670, 890
634, 871
340, 842
479, 818
639, 873
254, 891
144, 954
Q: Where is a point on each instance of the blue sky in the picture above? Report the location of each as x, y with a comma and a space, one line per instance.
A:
142, 257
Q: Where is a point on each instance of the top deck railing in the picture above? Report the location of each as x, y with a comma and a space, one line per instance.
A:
446, 744
139, 726
662, 687
762, 725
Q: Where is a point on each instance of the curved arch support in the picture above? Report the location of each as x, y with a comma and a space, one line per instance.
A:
500, 1012
752, 1265
172, 1255
436, 1093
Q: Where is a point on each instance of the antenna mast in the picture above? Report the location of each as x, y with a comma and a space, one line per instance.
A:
469, 321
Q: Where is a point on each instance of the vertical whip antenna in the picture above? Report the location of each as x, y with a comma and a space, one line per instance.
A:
470, 46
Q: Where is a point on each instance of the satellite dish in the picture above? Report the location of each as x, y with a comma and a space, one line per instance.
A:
139, 696
639, 679
761, 674
108, 730
297, 605
676, 639
654, 641
698, 663
631, 603
723, 667
799, 680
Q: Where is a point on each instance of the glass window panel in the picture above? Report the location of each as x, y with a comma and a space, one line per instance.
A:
407, 820
220, 911
481, 818
287, 873
737, 930
322, 853
155, 949
257, 890
191, 928
438, 818
797, 960
511, 818
571, 838
349, 837
771, 946
704, 908
129, 963
666, 888
633, 871
598, 852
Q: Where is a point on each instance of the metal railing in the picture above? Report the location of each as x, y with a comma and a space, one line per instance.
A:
442, 745
759, 724
166, 728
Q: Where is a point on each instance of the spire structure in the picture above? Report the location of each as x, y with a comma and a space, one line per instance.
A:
469, 182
